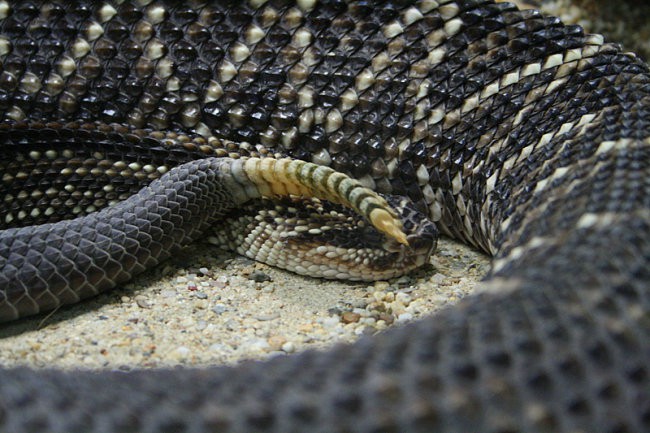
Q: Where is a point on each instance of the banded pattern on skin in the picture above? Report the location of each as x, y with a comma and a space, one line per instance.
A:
515, 133
102, 164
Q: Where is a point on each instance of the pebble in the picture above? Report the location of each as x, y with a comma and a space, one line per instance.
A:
404, 280
404, 317
439, 299
438, 278
288, 347
218, 347
364, 330
359, 303
350, 317
235, 321
403, 298
259, 276
360, 311
409, 289
330, 322
142, 301
381, 286
276, 342
204, 271
266, 317
258, 344
182, 352
232, 325
334, 311
221, 281
219, 308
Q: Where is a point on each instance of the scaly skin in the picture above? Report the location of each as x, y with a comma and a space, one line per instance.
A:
516, 134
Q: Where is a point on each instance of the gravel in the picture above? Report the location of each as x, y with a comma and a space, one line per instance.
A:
212, 307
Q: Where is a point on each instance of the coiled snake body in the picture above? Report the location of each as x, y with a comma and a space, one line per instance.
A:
514, 133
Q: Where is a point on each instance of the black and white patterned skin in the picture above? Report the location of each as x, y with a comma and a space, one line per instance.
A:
515, 133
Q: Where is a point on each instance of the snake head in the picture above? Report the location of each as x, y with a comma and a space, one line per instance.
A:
421, 233
323, 239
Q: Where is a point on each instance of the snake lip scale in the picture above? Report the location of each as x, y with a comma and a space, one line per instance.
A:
130, 128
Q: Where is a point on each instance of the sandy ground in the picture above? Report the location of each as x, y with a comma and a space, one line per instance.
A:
212, 307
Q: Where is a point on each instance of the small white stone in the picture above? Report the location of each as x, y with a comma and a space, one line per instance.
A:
220, 308
288, 347
404, 317
330, 322
258, 344
182, 352
218, 347
403, 298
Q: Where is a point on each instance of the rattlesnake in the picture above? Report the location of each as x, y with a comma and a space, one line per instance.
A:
520, 136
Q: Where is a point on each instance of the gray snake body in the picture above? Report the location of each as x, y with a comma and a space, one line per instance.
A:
515, 133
